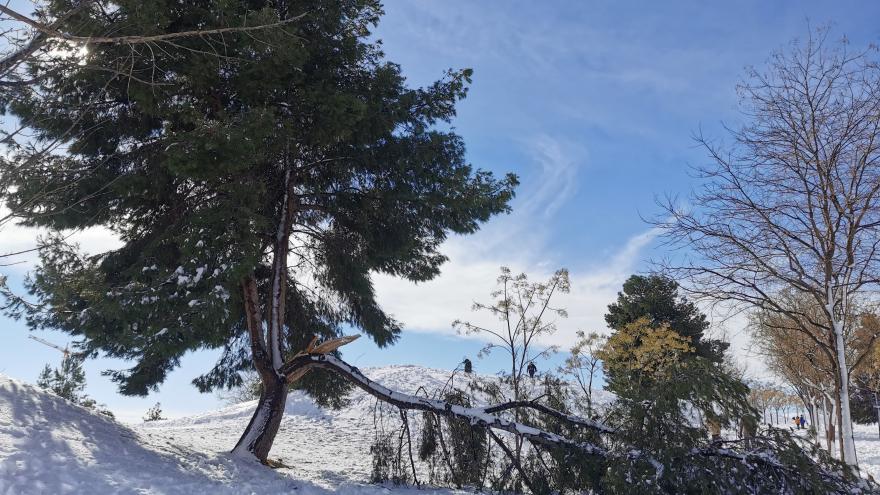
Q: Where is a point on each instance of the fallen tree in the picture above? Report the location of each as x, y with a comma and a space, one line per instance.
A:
477, 416
770, 463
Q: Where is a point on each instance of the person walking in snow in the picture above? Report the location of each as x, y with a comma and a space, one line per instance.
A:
797, 422
803, 422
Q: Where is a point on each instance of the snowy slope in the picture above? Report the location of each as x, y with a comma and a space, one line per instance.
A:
324, 446
50, 446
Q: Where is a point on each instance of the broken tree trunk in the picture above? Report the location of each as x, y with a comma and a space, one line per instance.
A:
319, 356
263, 426
260, 433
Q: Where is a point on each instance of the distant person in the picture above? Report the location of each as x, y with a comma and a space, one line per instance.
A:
797, 422
532, 369
803, 422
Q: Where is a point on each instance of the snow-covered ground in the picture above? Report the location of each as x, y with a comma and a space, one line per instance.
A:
49, 446
868, 449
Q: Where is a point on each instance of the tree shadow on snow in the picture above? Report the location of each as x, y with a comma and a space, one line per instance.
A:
58, 447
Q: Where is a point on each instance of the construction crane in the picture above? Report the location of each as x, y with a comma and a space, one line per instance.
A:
64, 350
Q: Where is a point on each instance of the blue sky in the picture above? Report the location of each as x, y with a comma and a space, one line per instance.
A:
593, 104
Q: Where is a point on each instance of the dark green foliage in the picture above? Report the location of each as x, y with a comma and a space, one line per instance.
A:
428, 439
662, 443
154, 413
388, 463
670, 398
561, 469
657, 297
864, 397
67, 382
185, 154
468, 445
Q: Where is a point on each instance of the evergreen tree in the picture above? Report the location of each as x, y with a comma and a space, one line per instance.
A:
656, 297
864, 399
256, 187
67, 382
661, 387
154, 413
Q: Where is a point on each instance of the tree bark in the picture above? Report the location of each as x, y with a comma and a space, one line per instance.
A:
847, 444
260, 433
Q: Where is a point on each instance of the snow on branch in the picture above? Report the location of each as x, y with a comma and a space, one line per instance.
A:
314, 356
475, 415
569, 418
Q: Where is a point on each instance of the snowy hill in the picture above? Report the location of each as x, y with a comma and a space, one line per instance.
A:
50, 446
326, 447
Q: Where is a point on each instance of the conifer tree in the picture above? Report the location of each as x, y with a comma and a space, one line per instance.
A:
656, 298
255, 188
67, 382
154, 413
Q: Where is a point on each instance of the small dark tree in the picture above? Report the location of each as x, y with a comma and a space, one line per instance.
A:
154, 413
657, 298
67, 382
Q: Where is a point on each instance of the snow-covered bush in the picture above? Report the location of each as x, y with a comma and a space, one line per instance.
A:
154, 413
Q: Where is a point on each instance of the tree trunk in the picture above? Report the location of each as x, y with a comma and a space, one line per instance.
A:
830, 433
260, 433
847, 444
267, 353
877, 410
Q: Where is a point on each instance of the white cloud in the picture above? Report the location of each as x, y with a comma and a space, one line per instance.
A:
520, 241
731, 324
558, 163
17, 238
432, 306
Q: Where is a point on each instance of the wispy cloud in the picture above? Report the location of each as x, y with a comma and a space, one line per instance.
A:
559, 162
522, 242
432, 306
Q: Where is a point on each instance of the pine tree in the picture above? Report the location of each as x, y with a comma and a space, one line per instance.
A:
154, 413
256, 186
656, 297
661, 385
67, 382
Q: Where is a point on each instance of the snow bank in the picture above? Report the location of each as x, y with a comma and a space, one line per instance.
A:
50, 446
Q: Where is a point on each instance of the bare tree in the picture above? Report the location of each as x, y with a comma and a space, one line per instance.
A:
525, 314
800, 360
793, 201
583, 364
